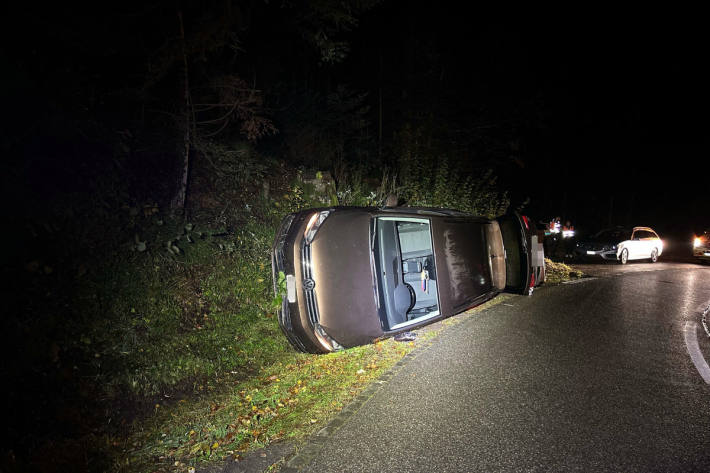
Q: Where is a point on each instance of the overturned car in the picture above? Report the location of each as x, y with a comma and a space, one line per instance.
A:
350, 275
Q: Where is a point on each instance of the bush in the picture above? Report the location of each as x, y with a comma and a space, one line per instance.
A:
427, 178
556, 273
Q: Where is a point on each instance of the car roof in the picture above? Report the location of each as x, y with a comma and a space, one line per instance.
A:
432, 211
645, 228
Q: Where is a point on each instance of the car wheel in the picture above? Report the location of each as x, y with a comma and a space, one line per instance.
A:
654, 255
624, 258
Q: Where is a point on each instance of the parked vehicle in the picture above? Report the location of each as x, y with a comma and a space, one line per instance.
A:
701, 246
621, 244
351, 275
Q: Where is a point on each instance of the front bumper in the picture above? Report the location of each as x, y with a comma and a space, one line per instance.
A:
701, 253
298, 314
607, 255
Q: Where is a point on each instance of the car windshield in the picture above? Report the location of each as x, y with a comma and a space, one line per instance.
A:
612, 234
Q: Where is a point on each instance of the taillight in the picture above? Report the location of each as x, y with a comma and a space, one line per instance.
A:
526, 222
531, 288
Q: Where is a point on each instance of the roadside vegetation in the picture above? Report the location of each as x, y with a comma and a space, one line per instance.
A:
556, 273
157, 332
146, 173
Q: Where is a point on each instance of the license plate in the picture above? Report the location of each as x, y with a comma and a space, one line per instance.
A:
291, 288
591, 252
707, 253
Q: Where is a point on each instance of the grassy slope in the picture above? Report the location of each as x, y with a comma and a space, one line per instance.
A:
161, 359
188, 354
210, 342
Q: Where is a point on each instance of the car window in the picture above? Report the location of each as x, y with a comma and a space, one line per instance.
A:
613, 234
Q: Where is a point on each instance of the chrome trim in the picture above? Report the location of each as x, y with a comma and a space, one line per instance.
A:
277, 264
309, 294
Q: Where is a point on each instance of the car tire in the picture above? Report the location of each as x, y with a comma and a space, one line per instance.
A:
654, 255
624, 257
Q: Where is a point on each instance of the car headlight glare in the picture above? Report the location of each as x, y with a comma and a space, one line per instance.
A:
314, 223
697, 242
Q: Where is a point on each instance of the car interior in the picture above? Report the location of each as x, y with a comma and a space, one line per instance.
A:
407, 274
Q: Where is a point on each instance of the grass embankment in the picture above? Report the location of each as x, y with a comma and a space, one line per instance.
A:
556, 273
159, 343
288, 398
189, 355
201, 342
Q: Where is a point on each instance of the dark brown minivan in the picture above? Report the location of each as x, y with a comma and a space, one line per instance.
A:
351, 275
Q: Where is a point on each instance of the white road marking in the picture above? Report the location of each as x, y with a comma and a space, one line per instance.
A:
691, 343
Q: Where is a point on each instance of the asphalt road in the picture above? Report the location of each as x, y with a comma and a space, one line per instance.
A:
592, 376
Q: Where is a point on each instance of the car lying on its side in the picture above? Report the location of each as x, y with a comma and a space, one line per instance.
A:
701, 246
621, 244
351, 275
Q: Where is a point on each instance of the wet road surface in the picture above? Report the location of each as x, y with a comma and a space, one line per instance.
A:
591, 376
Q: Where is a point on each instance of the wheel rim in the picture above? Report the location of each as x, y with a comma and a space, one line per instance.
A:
624, 257
654, 255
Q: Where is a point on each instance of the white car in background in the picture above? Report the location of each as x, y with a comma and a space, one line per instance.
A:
644, 244
620, 244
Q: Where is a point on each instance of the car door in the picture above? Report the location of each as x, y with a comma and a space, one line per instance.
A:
516, 233
635, 245
646, 244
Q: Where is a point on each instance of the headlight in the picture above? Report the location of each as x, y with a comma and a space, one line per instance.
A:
697, 242
313, 224
325, 340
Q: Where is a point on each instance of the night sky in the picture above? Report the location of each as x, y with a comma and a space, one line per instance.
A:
607, 107
596, 116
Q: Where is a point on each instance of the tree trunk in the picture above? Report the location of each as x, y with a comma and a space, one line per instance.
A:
178, 202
